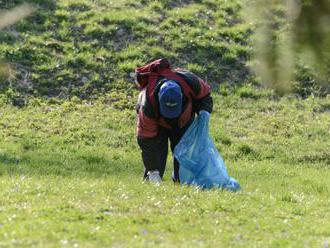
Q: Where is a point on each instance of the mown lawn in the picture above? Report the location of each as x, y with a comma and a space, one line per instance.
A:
70, 175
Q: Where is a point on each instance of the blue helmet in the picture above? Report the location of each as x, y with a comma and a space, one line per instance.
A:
170, 99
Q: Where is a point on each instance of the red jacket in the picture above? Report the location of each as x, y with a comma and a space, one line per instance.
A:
149, 78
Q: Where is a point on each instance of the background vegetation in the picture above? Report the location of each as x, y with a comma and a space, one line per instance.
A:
292, 44
86, 48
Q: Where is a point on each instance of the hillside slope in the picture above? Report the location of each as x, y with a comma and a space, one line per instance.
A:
85, 47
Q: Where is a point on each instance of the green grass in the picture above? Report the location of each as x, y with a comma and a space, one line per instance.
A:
71, 176
84, 48
70, 169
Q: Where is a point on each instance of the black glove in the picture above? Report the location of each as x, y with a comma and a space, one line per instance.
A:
206, 103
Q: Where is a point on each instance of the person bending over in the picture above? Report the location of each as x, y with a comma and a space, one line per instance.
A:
167, 104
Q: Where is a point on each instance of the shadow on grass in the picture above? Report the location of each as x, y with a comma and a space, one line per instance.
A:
69, 164
222, 66
33, 23
17, 50
7, 159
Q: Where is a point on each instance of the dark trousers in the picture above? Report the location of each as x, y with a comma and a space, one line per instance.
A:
154, 150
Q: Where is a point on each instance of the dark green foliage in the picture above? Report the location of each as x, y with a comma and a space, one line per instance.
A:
312, 28
292, 44
312, 34
48, 4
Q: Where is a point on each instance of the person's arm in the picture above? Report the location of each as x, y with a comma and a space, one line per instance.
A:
205, 103
147, 127
202, 99
152, 143
154, 153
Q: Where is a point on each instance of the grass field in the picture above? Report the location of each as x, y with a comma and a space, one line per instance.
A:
70, 168
71, 176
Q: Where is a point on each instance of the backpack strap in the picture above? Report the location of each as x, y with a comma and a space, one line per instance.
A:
146, 73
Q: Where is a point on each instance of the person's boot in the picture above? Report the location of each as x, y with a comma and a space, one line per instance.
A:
154, 177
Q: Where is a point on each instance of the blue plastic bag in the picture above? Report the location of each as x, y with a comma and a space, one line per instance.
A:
200, 162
